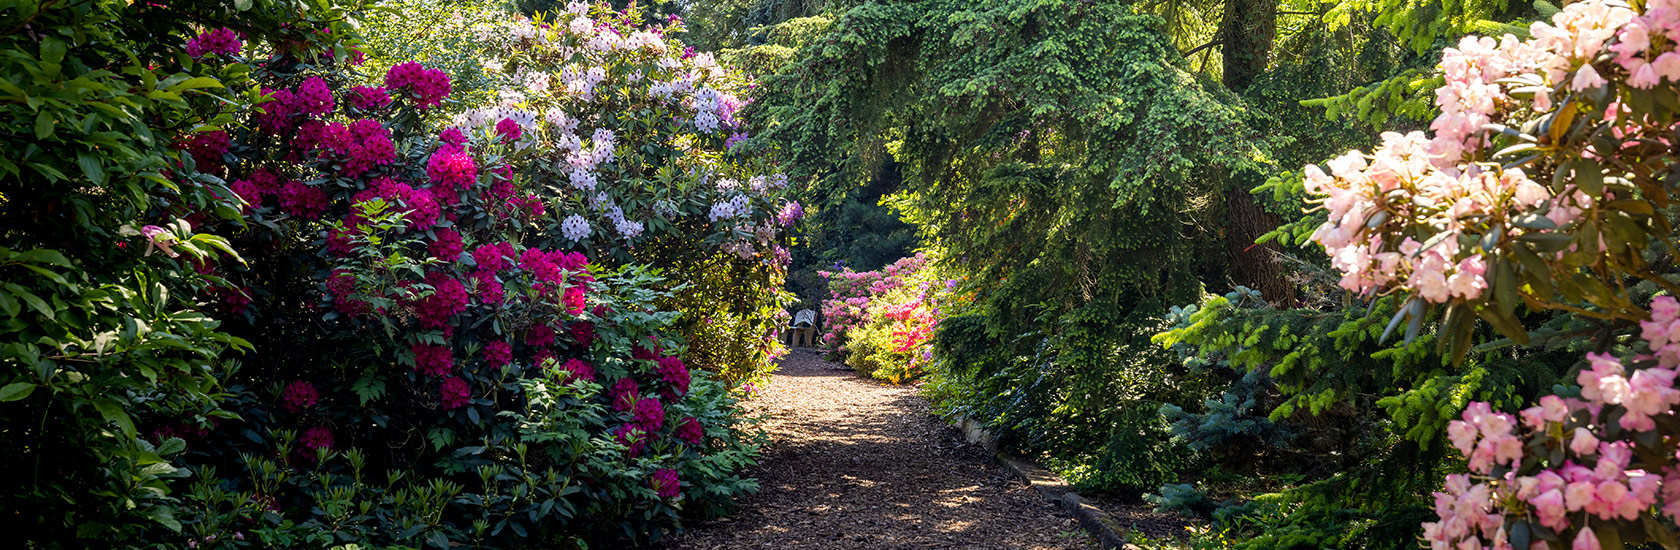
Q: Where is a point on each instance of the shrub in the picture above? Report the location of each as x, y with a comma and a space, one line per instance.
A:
629, 134
881, 323
438, 359
1577, 219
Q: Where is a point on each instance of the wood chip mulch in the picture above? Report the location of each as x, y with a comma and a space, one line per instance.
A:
855, 463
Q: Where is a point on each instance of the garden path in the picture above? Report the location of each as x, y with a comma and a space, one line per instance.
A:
854, 463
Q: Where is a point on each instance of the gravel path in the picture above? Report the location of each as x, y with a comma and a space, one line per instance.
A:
858, 464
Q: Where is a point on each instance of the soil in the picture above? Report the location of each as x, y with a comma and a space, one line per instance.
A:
1141, 517
856, 463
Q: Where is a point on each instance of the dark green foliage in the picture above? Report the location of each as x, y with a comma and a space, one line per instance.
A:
1367, 416
99, 333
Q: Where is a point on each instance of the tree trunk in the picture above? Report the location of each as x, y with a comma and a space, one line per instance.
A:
1247, 28
1255, 265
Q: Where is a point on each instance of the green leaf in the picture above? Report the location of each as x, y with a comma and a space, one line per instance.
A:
35, 302
1589, 177
44, 125
16, 390
196, 83
171, 446
91, 167
113, 412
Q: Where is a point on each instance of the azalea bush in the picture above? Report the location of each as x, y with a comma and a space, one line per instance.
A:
849, 295
882, 323
630, 134
1547, 184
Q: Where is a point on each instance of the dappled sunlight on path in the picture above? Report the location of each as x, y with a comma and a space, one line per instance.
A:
857, 464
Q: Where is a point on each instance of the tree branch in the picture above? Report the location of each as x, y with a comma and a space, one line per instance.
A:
1202, 47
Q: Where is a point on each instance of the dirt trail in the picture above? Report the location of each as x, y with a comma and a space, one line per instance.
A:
857, 464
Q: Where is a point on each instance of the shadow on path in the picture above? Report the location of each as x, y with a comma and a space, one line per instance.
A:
858, 464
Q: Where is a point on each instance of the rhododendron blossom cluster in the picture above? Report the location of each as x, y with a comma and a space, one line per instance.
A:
1608, 455
1440, 218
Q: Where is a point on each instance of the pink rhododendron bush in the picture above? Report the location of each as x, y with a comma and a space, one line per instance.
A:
881, 323
1546, 184
628, 134
458, 334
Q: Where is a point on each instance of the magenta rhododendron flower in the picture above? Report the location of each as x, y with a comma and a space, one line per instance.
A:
689, 430
318, 437
451, 171
624, 395
277, 114
369, 145
427, 86
222, 42
207, 149
498, 353
509, 130
539, 335
494, 257
300, 200
583, 332
453, 136
650, 414
448, 297
489, 290
574, 300
433, 360
447, 247
369, 98
454, 393
313, 97
676, 376
665, 482
577, 369
299, 396
632, 438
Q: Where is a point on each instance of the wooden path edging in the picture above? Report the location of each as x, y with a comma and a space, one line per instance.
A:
1101, 525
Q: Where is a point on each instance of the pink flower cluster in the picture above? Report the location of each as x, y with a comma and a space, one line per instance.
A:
313, 97
649, 414
1397, 190
302, 200
207, 149
299, 396
419, 207
1436, 189
850, 293
427, 86
624, 395
447, 247
223, 42
494, 257
1611, 479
